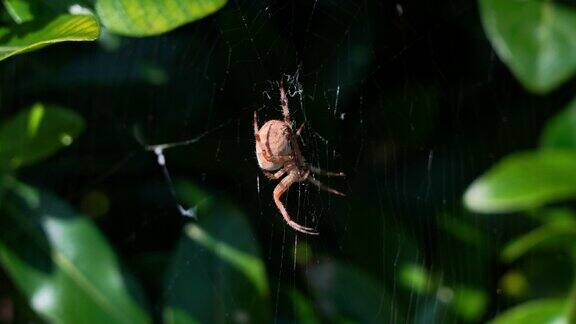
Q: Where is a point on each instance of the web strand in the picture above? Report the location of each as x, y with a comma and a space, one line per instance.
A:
161, 160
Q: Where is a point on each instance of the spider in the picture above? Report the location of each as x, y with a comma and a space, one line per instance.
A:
278, 154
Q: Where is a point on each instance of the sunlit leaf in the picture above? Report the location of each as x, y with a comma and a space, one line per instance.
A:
534, 312
36, 133
219, 258
152, 17
36, 34
560, 131
417, 278
523, 181
344, 292
62, 264
536, 39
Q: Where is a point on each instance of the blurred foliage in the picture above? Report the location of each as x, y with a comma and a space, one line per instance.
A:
532, 181
523, 181
220, 259
36, 34
41, 23
535, 39
559, 131
407, 99
66, 269
544, 311
152, 17
36, 133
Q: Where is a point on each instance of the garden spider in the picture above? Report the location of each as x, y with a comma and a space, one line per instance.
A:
278, 153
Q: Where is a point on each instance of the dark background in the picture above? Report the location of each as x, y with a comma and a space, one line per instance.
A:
407, 98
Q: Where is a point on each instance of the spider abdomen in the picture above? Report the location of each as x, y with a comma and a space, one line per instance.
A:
274, 140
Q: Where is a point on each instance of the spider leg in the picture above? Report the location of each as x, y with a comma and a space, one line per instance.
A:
256, 126
284, 104
278, 191
256, 135
324, 187
274, 176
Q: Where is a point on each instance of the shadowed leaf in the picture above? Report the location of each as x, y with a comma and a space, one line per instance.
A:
536, 39
559, 229
216, 274
560, 131
62, 264
37, 133
343, 292
303, 308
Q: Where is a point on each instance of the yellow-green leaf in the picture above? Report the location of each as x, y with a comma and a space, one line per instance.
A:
36, 34
152, 17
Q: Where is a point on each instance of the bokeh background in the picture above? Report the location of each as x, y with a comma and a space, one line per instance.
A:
409, 99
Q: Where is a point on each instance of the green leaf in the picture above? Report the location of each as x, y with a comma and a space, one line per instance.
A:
36, 34
535, 312
20, 10
560, 131
417, 278
523, 181
557, 231
536, 39
344, 292
61, 262
152, 17
464, 232
37, 133
469, 303
303, 308
25, 10
219, 258
249, 265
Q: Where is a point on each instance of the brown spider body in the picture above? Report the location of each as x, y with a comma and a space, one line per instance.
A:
278, 150
274, 134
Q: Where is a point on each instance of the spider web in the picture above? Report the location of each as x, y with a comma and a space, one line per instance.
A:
325, 91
